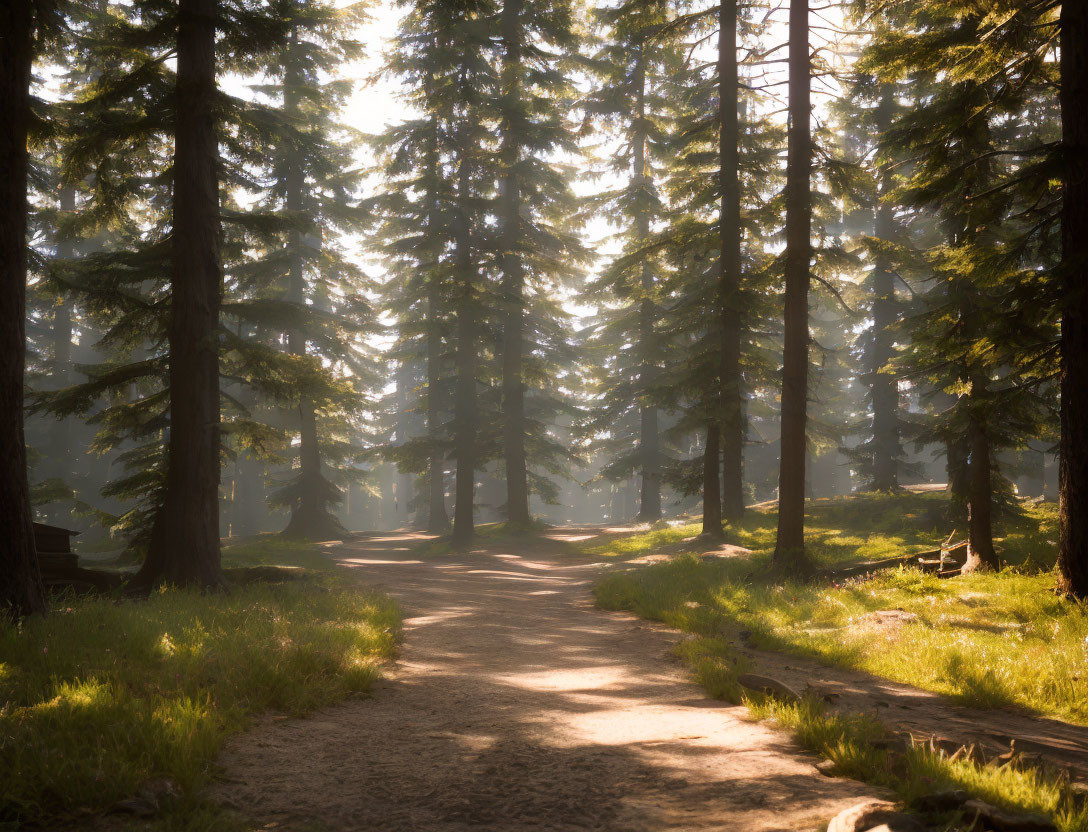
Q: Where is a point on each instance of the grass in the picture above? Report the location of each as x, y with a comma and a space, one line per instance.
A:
100, 696
986, 640
847, 529
855, 744
861, 749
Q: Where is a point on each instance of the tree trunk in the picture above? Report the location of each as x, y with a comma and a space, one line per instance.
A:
20, 582
185, 537
649, 442
513, 278
980, 543
310, 516
884, 387
1073, 470
712, 495
438, 520
464, 417
60, 433
733, 423
790, 546
649, 430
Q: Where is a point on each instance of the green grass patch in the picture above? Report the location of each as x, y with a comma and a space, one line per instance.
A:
100, 696
857, 746
856, 528
987, 640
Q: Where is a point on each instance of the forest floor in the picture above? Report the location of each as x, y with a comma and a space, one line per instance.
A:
516, 704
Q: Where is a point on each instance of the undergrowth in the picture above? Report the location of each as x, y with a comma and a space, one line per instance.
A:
99, 696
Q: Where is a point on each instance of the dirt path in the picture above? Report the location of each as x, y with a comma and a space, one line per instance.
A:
518, 706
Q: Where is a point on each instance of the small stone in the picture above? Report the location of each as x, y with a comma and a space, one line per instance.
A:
863, 816
826, 768
138, 806
773, 687
900, 823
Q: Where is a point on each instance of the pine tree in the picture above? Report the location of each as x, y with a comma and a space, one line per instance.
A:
1073, 532
633, 68
534, 250
184, 547
975, 173
416, 231
20, 582
790, 544
312, 185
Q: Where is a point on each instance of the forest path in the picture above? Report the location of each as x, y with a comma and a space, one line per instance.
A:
517, 705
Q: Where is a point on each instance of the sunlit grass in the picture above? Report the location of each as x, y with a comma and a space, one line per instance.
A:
853, 743
986, 640
847, 529
100, 696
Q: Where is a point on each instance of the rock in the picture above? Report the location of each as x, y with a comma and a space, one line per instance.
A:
159, 791
772, 687
874, 814
826, 768
946, 801
902, 823
138, 806
982, 816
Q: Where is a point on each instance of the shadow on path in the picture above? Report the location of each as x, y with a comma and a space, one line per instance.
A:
516, 705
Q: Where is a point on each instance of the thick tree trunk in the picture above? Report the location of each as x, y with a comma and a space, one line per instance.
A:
464, 416
712, 495
185, 536
790, 546
20, 582
884, 387
649, 441
513, 278
980, 549
1073, 476
733, 422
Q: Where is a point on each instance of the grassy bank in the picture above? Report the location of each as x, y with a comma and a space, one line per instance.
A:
99, 697
987, 640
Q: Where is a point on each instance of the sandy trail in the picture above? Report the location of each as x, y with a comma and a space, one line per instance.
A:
516, 705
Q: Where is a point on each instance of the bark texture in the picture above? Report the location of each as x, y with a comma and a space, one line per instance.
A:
980, 542
438, 519
790, 546
1073, 477
649, 430
884, 387
464, 417
712, 495
184, 546
20, 582
513, 278
732, 393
